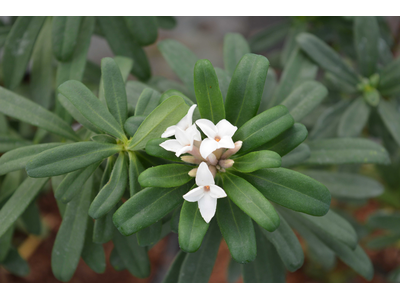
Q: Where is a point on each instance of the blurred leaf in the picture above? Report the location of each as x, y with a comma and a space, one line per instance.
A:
235, 46
31, 219
384, 220
147, 102
269, 89
132, 124
170, 93
10, 183
257, 160
166, 176
103, 230
384, 241
11, 142
133, 91
150, 235
234, 271
372, 97
172, 275
297, 156
5, 243
166, 22
15, 264
143, 29
135, 168
93, 253
389, 79
391, 118
223, 79
103, 138
269, 37
354, 118
65, 31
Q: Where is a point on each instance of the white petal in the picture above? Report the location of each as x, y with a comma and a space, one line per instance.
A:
171, 145
194, 195
183, 137
189, 115
194, 133
217, 192
183, 150
208, 128
207, 147
207, 206
225, 128
204, 176
226, 142
170, 131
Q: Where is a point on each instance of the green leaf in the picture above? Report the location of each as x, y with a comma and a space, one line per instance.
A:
269, 89
234, 271
287, 245
70, 237
251, 201
304, 99
270, 36
246, 89
150, 235
73, 183
132, 124
292, 190
114, 90
208, 94
235, 46
168, 113
290, 44
91, 108
5, 243
122, 43
384, 220
10, 142
296, 156
64, 36
166, 22
385, 241
166, 176
153, 148
390, 117
326, 57
372, 96
147, 102
42, 74
31, 219
134, 257
135, 168
29, 112
15, 264
197, 267
257, 160
18, 49
172, 275
143, 29
116, 261
103, 230
192, 227
297, 70
354, 118
389, 78
287, 140
133, 91
112, 192
163, 84
263, 128
347, 185
103, 138
181, 60
68, 158
238, 231
10, 183
223, 79
347, 151
147, 207
93, 253
172, 92
19, 201
174, 223
267, 267
366, 40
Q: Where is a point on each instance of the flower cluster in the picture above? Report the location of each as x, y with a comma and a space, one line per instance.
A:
211, 154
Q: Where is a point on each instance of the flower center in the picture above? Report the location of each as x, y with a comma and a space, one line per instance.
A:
207, 188
217, 138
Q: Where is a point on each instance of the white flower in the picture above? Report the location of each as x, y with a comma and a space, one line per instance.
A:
183, 142
183, 124
219, 136
206, 194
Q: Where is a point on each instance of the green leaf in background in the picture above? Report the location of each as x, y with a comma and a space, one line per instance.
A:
70, 237
181, 60
235, 46
238, 231
133, 91
296, 156
103, 230
163, 84
384, 241
18, 49
166, 22
150, 235
132, 124
93, 253
91, 108
292, 190
389, 78
9, 142
65, 31
290, 44
114, 90
147, 207
208, 94
19, 201
9, 184
112, 192
153, 148
172, 92
326, 57
168, 113
147, 102
223, 79
366, 38
257, 160
197, 267
68, 158
391, 118
121, 42
234, 271
246, 89
31, 219
270, 36
135, 168
304, 99
263, 128
251, 201
346, 184
346, 151
29, 112
5, 243
384, 220
165, 176
143, 29
172, 275
354, 118
269, 89
372, 96
192, 227
103, 138
15, 264
73, 183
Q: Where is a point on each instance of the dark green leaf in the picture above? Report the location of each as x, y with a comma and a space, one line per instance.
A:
384, 220
143, 29
269, 37
150, 235
10, 183
391, 118
235, 46
103, 230
172, 275
257, 160
234, 271
133, 123
103, 138
166, 22
354, 118
147, 102
384, 241
15, 264
165, 176
389, 78
5, 243
92, 253
31, 219
296, 156
64, 36
135, 168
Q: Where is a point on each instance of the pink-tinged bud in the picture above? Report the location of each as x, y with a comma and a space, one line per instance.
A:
218, 153
227, 163
193, 172
233, 151
213, 170
190, 159
212, 159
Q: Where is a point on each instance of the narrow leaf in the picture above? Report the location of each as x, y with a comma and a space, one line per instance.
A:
257, 160
354, 119
235, 46
143, 29
147, 102
166, 176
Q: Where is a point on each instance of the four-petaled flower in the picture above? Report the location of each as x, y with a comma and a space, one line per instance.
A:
183, 142
206, 194
218, 136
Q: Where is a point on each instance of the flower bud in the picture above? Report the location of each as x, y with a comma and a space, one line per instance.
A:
193, 172
233, 151
213, 170
190, 159
226, 163
212, 159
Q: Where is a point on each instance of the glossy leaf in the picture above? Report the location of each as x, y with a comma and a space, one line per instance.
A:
166, 176
354, 119
235, 46
147, 102
257, 160
391, 118
144, 29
